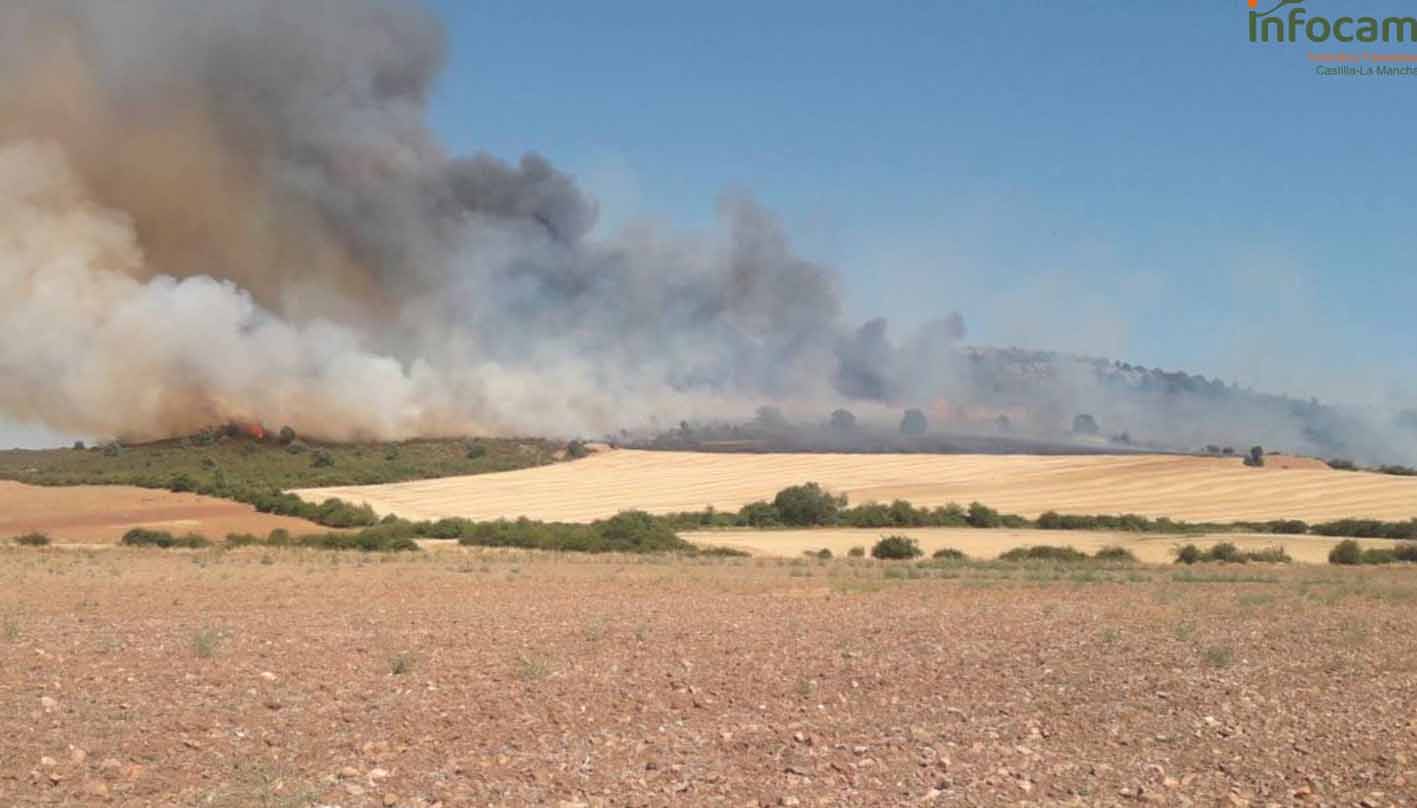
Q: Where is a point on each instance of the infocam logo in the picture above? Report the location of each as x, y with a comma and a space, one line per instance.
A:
1297, 25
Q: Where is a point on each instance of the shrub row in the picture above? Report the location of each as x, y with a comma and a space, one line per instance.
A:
1348, 553
32, 540
628, 532
379, 539
1368, 529
1227, 553
140, 537
810, 505
905, 548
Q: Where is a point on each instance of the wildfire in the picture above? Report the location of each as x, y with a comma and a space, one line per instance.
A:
249, 430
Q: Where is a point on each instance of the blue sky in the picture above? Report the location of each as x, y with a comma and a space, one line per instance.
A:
1133, 179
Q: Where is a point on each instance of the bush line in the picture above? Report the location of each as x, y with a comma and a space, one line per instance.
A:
810, 505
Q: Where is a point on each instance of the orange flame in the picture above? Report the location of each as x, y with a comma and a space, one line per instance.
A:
250, 430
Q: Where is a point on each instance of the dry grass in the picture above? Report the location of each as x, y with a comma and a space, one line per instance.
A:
1192, 488
102, 514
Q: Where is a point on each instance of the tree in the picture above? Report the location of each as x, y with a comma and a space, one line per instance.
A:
769, 417
287, 436
808, 504
843, 421
1256, 457
1085, 424
981, 515
914, 423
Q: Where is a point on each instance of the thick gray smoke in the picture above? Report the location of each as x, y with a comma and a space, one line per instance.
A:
235, 210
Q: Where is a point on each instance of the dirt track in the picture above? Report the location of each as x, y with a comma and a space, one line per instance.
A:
1180, 487
102, 514
232, 680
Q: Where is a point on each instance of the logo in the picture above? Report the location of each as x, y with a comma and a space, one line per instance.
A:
1296, 25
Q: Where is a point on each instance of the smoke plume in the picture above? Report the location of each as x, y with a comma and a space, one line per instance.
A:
236, 211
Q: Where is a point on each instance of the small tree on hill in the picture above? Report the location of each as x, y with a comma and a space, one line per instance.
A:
1256, 457
769, 417
1085, 424
843, 421
914, 423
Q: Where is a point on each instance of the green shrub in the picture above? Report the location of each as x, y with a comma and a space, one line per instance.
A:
628, 532
1379, 555
1114, 553
1225, 552
1342, 465
637, 532
1256, 457
575, 450
1270, 555
723, 552
896, 548
1189, 554
1044, 553
807, 505
32, 540
1399, 471
949, 554
1346, 552
856, 552
475, 450
1368, 529
824, 554
323, 460
759, 514
141, 537
980, 515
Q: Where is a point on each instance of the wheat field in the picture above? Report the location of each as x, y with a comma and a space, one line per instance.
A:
1191, 488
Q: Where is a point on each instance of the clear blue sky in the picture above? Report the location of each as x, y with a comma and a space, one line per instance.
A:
1132, 179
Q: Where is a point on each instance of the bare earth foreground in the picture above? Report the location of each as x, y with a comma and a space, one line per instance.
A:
462, 678
1193, 488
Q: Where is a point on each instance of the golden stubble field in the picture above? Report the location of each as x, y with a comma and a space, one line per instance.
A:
93, 514
1191, 488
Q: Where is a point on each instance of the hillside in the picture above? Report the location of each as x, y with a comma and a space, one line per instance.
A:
229, 457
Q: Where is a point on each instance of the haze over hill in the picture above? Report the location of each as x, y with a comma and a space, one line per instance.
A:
237, 211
